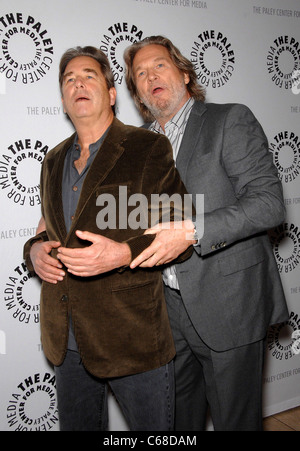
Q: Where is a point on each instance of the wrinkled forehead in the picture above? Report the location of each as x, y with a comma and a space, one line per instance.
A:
151, 52
83, 63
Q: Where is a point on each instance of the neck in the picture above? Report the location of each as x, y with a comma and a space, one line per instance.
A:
89, 132
162, 121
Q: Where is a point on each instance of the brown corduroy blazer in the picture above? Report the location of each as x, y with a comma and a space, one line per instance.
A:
119, 318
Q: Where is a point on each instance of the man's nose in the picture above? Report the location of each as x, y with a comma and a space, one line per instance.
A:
152, 75
79, 83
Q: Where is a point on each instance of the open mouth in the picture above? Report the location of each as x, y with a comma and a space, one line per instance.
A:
81, 99
157, 90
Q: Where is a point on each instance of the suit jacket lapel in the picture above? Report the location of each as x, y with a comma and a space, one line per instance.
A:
56, 194
190, 138
110, 151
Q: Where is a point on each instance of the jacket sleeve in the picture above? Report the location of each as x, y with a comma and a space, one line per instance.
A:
258, 198
167, 197
42, 236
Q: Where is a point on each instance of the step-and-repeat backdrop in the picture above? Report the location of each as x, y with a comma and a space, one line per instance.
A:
245, 51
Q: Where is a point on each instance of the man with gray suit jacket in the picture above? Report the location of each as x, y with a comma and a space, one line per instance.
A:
222, 300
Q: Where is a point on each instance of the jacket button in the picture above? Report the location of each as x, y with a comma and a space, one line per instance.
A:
64, 298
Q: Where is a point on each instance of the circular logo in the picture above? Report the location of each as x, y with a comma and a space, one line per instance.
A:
22, 296
20, 169
118, 37
286, 246
281, 341
286, 155
213, 58
283, 60
33, 405
26, 50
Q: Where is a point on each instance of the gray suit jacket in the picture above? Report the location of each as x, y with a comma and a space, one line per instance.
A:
231, 286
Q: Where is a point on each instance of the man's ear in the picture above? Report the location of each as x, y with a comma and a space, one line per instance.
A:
112, 95
186, 78
62, 101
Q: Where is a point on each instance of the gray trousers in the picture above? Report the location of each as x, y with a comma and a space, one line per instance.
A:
146, 399
230, 382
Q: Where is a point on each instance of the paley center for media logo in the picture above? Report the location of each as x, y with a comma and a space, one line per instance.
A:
113, 43
285, 148
21, 295
26, 49
283, 63
285, 240
20, 168
213, 57
284, 339
32, 406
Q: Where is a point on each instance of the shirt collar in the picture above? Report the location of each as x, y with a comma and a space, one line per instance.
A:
93, 147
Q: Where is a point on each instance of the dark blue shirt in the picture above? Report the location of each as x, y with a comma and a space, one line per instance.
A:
73, 181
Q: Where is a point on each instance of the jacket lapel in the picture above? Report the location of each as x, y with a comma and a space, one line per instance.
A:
56, 194
190, 138
107, 156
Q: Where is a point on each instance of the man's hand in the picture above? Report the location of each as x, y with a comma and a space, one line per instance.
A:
101, 256
45, 266
172, 239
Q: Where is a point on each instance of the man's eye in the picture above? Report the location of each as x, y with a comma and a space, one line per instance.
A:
141, 74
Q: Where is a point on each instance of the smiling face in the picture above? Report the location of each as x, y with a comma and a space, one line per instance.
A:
160, 84
85, 95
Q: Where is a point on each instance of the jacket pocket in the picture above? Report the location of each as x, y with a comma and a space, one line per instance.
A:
241, 260
134, 293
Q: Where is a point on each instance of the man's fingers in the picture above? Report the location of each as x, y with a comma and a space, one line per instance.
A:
87, 236
49, 276
151, 262
53, 281
81, 272
153, 229
75, 257
144, 256
51, 262
67, 254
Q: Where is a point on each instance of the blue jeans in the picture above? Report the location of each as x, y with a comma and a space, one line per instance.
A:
146, 399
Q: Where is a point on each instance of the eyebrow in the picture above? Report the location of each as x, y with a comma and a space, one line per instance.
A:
159, 58
87, 70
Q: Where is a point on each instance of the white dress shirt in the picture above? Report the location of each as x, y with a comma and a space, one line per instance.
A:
174, 130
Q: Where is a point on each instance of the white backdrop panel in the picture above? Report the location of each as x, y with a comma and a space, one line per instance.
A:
243, 50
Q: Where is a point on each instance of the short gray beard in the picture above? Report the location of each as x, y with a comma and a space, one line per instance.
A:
165, 108
159, 111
